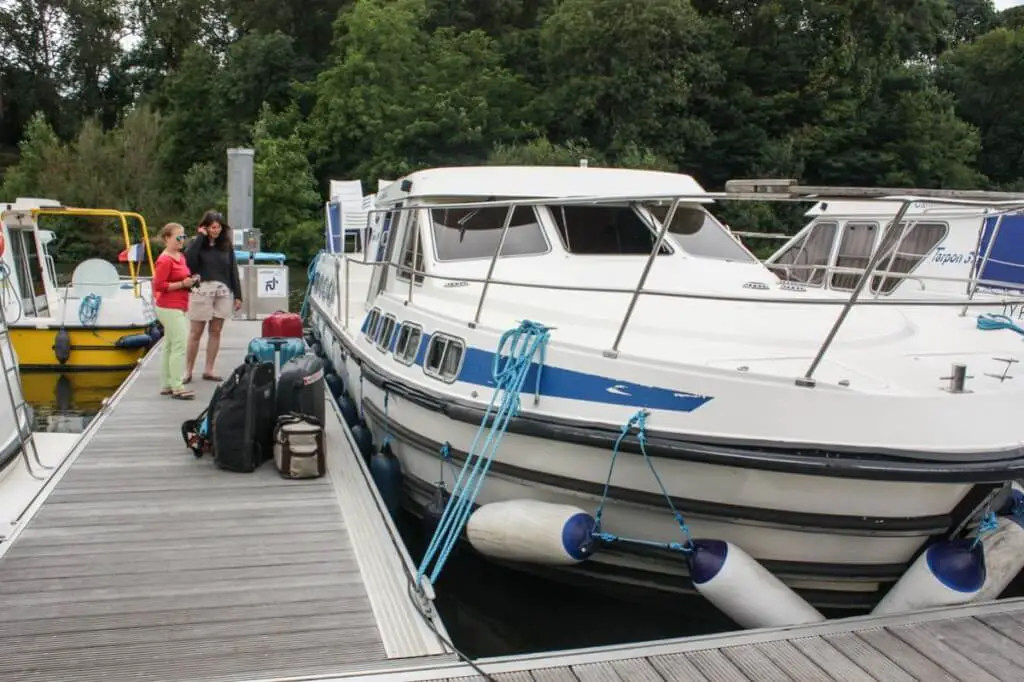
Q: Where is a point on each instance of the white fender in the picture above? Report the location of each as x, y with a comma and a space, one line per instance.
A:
745, 590
1004, 548
1004, 557
947, 573
532, 531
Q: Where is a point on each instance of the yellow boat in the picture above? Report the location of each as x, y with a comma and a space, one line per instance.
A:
100, 320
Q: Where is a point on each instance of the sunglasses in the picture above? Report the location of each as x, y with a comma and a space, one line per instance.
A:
180, 238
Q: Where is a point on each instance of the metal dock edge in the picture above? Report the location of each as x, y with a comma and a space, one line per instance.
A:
141, 562
970, 643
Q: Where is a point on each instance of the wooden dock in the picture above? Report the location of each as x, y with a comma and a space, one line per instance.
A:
142, 562
972, 643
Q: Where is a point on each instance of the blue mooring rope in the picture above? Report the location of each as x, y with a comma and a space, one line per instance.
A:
990, 321
446, 457
639, 420
988, 524
89, 310
509, 375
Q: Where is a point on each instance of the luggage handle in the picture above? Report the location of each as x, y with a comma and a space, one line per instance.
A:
296, 417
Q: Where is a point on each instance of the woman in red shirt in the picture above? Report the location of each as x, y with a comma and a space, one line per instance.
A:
171, 285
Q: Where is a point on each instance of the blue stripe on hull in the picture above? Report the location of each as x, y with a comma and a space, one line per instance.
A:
558, 382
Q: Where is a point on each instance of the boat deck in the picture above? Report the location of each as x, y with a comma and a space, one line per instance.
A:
142, 562
973, 643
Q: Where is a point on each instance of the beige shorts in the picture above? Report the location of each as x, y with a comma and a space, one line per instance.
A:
212, 299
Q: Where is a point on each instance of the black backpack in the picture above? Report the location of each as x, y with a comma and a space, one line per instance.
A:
196, 432
242, 420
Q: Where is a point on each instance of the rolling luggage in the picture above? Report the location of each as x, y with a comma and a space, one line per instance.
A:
300, 387
276, 350
299, 447
283, 324
242, 422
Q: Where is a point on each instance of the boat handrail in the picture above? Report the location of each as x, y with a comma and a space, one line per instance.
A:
784, 190
941, 300
123, 217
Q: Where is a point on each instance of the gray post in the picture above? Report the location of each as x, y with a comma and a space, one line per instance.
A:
240, 186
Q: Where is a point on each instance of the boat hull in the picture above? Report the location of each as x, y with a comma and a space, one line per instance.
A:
92, 349
839, 540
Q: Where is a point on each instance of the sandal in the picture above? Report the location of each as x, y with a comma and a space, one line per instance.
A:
166, 391
187, 379
212, 377
183, 395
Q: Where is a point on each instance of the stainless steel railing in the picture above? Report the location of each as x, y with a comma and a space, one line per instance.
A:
1001, 202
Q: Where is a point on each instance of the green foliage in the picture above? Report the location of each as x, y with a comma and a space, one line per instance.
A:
397, 98
287, 205
869, 92
987, 79
622, 73
38, 150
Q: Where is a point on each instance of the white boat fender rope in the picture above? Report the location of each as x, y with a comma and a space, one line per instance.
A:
1004, 547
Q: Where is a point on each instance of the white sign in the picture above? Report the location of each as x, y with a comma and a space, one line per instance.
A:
271, 282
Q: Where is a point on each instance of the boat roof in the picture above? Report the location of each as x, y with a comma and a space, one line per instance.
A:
538, 182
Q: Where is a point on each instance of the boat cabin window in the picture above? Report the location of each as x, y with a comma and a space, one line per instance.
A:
444, 357
918, 243
855, 247
469, 233
806, 259
408, 344
698, 233
412, 247
604, 231
370, 326
385, 333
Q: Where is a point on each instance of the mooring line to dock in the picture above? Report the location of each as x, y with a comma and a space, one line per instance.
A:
509, 374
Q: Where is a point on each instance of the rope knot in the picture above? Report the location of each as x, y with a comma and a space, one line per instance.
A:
988, 524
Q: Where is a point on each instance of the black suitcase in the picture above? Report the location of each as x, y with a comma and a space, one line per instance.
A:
242, 423
300, 387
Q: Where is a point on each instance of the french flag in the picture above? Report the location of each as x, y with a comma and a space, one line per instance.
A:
136, 253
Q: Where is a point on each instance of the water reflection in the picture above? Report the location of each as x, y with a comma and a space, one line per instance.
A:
65, 402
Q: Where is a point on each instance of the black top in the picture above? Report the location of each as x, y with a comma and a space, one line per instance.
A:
213, 264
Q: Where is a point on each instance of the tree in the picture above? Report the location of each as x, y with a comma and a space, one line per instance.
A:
397, 98
622, 73
286, 203
194, 122
987, 79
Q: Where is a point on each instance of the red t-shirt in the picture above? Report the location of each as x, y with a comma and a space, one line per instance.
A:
167, 272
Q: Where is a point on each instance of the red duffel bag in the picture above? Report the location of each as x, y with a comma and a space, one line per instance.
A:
283, 324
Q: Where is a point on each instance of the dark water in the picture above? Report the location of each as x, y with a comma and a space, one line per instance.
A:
489, 610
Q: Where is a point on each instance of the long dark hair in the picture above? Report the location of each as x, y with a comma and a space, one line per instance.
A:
223, 241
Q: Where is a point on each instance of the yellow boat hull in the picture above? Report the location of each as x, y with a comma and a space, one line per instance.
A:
95, 348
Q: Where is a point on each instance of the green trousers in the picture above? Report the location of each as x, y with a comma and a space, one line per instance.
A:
172, 364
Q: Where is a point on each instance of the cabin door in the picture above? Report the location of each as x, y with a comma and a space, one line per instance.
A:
382, 257
27, 257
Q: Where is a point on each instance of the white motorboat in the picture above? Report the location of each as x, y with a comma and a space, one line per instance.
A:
828, 422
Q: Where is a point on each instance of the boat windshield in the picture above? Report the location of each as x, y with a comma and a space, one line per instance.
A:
698, 233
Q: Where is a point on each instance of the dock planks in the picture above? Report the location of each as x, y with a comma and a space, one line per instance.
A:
145, 563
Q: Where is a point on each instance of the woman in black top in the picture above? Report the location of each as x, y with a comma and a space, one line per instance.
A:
211, 256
